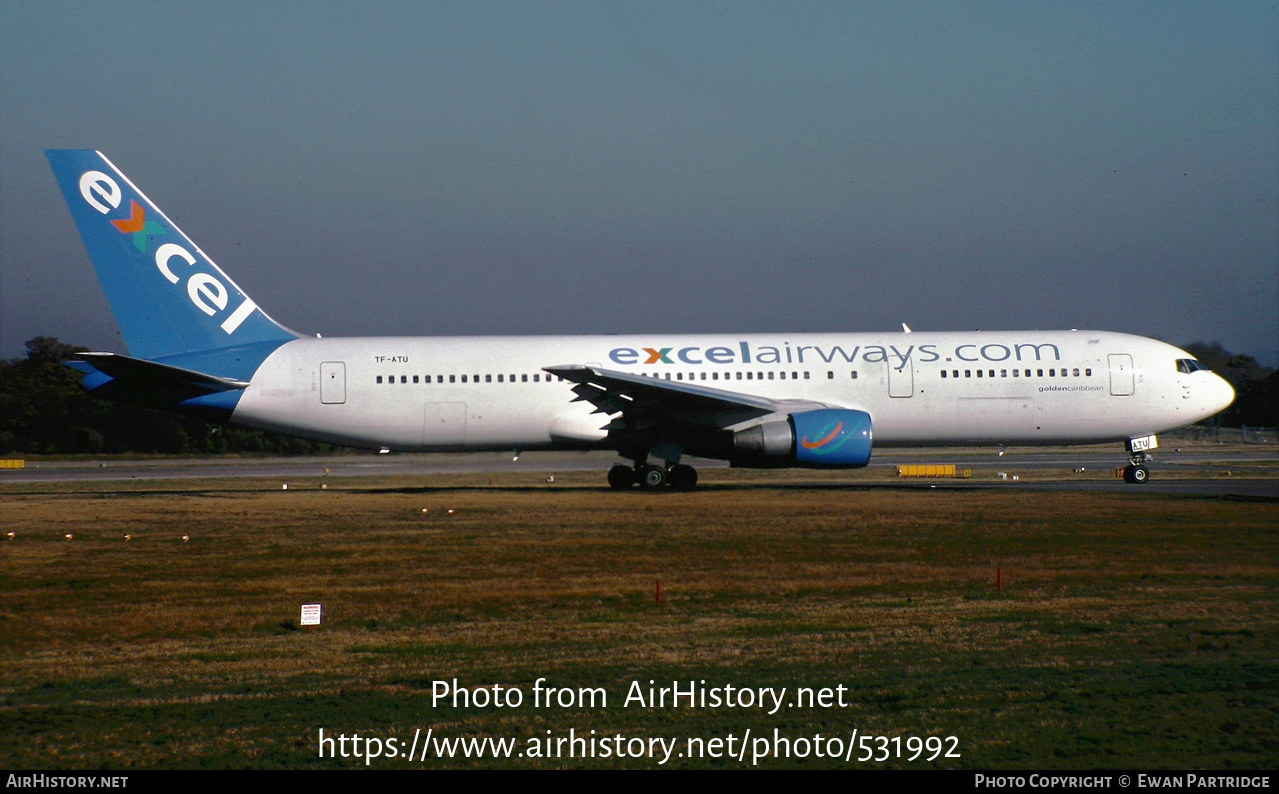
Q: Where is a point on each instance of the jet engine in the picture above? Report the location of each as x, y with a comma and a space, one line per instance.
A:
822, 438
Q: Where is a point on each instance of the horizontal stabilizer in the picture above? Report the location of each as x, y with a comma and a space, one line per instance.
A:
136, 371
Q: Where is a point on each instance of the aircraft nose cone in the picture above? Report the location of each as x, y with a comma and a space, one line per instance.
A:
1222, 394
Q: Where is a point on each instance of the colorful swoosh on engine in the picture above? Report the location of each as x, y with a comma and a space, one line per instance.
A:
832, 435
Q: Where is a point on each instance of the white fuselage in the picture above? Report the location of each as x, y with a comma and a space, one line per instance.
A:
463, 393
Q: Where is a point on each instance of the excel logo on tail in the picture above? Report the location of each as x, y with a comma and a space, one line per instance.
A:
173, 261
137, 225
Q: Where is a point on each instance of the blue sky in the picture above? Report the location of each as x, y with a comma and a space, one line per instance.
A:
555, 167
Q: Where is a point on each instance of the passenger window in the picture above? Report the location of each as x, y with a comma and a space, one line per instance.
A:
979, 373
968, 373
415, 378
452, 379
943, 373
1088, 372
830, 375
488, 378
770, 375
379, 378
854, 374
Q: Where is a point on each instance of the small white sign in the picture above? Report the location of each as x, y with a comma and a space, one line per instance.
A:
1144, 443
310, 614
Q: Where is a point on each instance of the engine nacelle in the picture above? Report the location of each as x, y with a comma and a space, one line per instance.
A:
826, 437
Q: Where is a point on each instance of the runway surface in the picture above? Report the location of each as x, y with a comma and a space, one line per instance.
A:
1236, 470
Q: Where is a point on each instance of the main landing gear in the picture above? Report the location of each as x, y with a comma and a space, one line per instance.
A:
678, 477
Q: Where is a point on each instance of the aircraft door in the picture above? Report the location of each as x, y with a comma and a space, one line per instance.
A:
333, 383
1121, 374
444, 424
901, 378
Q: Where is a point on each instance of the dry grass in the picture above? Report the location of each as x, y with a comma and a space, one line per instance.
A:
1133, 630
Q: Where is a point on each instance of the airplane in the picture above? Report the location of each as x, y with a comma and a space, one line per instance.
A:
198, 344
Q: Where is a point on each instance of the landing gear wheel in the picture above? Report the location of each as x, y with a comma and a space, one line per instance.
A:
652, 477
683, 477
621, 477
1136, 474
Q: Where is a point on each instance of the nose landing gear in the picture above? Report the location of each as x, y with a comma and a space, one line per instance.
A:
1136, 473
1139, 448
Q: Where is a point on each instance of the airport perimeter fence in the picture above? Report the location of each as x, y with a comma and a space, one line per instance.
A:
1228, 435
1259, 435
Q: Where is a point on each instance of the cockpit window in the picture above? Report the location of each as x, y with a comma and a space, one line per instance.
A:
1188, 365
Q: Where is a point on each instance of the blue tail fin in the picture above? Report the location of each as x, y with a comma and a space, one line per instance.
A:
169, 299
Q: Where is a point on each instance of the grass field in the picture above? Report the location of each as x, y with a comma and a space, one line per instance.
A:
1131, 631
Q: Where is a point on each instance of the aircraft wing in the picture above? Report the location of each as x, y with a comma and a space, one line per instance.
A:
645, 401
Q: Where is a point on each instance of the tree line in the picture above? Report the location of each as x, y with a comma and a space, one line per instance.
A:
44, 410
